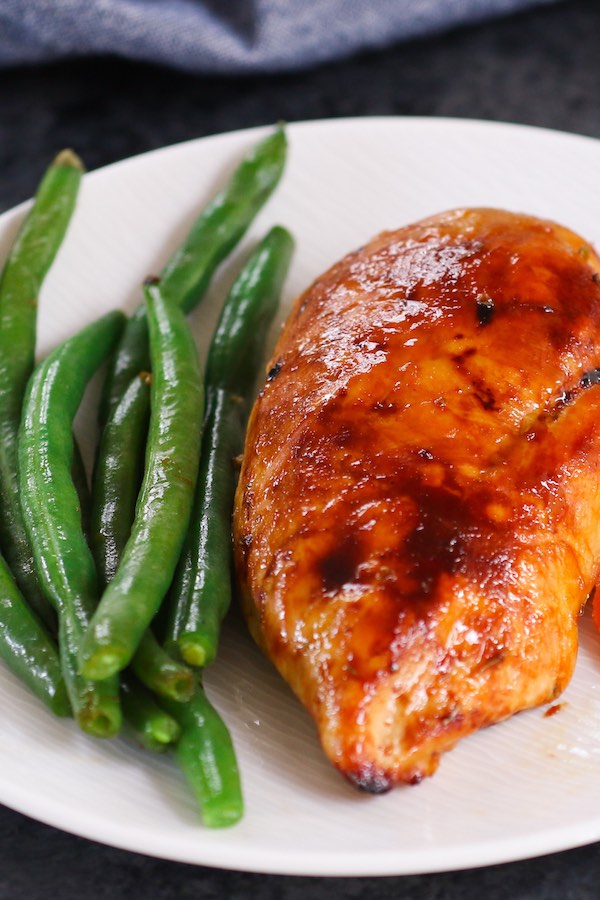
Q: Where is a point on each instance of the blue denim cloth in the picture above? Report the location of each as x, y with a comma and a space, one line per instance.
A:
227, 36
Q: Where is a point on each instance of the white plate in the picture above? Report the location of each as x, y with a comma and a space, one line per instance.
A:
525, 787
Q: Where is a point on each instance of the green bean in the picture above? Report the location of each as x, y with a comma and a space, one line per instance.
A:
27, 649
144, 574
213, 236
159, 672
116, 487
201, 592
154, 728
186, 276
29, 260
206, 756
51, 510
118, 476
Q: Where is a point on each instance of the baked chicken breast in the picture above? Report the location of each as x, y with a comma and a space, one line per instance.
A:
417, 522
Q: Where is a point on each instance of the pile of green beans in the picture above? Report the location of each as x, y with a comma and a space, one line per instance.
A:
112, 595
201, 591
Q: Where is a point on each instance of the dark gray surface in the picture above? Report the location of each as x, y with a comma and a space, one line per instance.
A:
541, 68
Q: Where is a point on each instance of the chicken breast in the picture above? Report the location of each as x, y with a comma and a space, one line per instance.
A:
417, 518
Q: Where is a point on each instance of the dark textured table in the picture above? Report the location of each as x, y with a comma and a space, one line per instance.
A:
540, 68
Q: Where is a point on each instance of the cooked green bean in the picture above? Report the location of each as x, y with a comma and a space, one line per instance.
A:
144, 574
211, 239
29, 260
27, 649
154, 728
116, 486
206, 756
159, 672
118, 476
201, 592
186, 276
51, 510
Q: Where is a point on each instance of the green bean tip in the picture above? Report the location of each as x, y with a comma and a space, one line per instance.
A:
182, 689
166, 732
100, 723
102, 663
194, 653
222, 816
69, 158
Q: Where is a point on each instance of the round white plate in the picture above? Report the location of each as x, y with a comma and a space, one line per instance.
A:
525, 787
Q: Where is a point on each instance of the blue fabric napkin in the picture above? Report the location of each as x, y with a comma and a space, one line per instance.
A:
227, 36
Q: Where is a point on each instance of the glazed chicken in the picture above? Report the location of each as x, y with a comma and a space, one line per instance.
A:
417, 518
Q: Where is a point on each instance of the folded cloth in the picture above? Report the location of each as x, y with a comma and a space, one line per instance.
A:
227, 36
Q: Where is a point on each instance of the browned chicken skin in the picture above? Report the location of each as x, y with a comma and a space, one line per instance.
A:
416, 523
